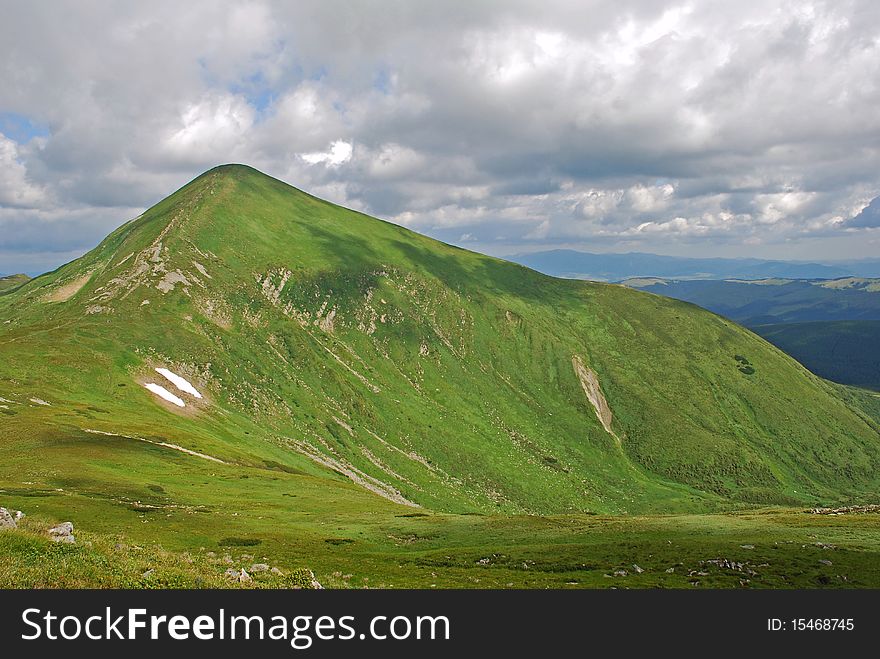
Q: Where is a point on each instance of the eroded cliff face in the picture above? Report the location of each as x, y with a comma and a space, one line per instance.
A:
590, 383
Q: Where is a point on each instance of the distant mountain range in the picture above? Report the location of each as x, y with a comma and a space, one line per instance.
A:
616, 267
8, 282
759, 302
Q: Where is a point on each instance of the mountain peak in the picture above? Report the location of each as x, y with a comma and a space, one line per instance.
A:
232, 169
424, 373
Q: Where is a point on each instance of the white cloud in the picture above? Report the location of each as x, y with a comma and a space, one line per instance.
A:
16, 190
780, 206
540, 231
338, 153
211, 128
645, 199
393, 161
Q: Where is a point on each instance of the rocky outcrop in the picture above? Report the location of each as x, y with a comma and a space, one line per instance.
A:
63, 533
846, 510
590, 384
7, 520
316, 585
241, 576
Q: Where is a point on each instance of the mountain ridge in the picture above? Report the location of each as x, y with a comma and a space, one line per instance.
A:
349, 349
11, 282
620, 266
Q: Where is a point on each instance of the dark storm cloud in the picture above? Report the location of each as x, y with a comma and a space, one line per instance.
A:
504, 126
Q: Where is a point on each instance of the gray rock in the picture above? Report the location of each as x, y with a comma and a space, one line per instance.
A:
315, 583
637, 569
747, 546
276, 572
7, 521
65, 528
259, 567
19, 515
241, 576
63, 533
825, 561
148, 573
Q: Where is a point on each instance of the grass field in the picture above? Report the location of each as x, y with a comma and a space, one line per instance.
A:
188, 522
362, 548
389, 411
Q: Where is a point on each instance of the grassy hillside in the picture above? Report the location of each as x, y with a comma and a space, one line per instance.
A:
369, 393
842, 351
830, 326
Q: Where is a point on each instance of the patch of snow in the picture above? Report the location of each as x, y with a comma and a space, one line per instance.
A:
162, 392
39, 401
179, 382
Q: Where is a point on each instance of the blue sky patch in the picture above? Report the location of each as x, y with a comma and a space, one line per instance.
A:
20, 128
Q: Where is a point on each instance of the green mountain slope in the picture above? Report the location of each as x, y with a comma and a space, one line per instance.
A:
370, 362
845, 351
831, 326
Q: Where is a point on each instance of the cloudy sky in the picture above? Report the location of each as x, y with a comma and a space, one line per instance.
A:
703, 128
